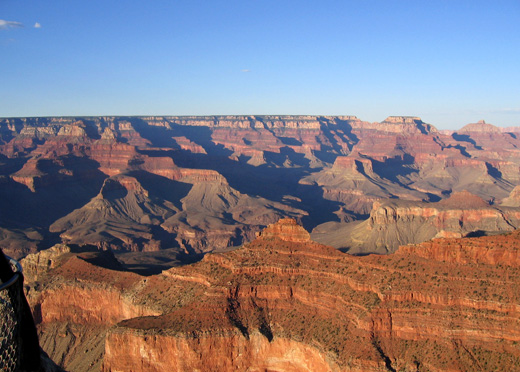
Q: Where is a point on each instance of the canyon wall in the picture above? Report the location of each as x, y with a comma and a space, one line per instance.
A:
284, 302
202, 184
394, 223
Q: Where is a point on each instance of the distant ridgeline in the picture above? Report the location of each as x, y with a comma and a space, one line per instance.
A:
201, 184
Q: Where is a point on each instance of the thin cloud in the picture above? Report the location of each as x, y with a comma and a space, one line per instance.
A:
37, 25
245, 70
4, 25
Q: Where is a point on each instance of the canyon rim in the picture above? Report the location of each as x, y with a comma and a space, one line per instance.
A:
195, 243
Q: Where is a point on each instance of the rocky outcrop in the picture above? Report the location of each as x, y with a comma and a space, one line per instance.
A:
247, 171
255, 353
282, 303
406, 124
36, 265
286, 229
120, 216
392, 224
480, 126
76, 295
203, 184
219, 215
497, 250
486, 141
513, 200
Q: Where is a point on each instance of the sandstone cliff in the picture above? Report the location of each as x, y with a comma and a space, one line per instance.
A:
278, 304
283, 302
76, 296
215, 181
394, 223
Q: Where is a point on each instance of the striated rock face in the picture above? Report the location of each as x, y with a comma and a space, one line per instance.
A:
193, 185
406, 124
286, 229
223, 353
392, 224
211, 182
481, 126
118, 216
36, 265
76, 295
496, 250
285, 304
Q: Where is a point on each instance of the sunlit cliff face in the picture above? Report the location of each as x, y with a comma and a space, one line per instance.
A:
283, 302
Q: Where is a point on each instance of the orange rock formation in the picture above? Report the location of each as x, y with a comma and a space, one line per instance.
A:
248, 171
285, 303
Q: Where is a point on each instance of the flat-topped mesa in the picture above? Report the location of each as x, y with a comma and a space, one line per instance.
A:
347, 117
402, 120
286, 229
298, 122
464, 200
510, 129
402, 125
480, 126
290, 122
245, 122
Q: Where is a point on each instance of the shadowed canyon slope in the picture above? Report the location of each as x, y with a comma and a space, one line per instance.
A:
285, 303
201, 184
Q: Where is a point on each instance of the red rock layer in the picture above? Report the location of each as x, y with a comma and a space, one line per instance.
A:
279, 304
285, 303
320, 168
286, 229
74, 303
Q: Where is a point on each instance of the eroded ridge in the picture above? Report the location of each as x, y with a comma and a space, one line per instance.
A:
284, 302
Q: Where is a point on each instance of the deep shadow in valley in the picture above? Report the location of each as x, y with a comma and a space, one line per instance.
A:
158, 136
56, 194
270, 180
153, 263
465, 138
163, 188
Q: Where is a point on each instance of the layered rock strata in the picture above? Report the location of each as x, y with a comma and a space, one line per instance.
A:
245, 172
394, 223
283, 302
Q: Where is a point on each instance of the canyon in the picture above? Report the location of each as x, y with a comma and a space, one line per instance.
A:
265, 243
193, 185
284, 303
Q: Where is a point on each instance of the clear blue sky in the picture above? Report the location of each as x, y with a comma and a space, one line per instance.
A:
450, 62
